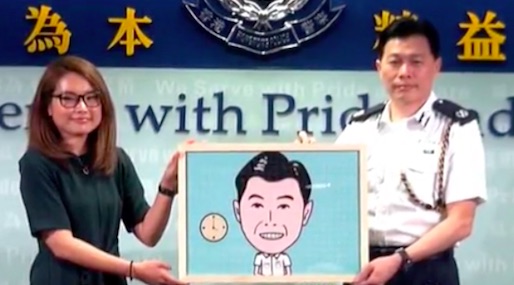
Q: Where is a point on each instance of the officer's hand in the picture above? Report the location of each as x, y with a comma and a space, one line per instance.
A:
379, 271
154, 272
304, 138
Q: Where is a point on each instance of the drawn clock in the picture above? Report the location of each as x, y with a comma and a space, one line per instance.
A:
213, 227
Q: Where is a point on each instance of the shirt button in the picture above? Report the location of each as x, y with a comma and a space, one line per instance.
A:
85, 278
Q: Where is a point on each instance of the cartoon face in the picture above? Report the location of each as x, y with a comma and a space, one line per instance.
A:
272, 214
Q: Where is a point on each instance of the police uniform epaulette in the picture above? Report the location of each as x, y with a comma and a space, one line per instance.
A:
454, 111
365, 114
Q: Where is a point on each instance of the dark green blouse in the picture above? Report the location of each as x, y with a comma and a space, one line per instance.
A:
90, 205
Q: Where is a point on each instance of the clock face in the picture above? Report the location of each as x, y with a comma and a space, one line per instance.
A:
213, 227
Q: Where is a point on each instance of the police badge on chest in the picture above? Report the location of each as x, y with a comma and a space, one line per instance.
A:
427, 152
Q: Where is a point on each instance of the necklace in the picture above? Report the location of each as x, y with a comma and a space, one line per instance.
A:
85, 168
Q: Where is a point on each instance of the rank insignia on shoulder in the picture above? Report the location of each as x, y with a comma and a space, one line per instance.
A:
454, 111
364, 114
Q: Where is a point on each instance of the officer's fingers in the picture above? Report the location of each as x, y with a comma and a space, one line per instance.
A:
373, 279
297, 140
304, 137
363, 276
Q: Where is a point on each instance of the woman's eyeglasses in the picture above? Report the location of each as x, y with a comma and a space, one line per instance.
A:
71, 100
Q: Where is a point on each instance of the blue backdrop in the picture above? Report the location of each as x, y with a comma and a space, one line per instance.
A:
179, 41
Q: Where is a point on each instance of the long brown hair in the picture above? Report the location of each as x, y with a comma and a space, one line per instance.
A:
43, 134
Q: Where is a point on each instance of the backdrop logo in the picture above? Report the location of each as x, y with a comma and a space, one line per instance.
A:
264, 26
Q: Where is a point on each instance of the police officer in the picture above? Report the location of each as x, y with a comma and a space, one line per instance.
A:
426, 166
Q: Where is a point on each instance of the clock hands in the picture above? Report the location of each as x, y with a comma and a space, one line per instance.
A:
217, 229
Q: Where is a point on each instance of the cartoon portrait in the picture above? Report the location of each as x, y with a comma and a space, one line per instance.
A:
271, 213
272, 208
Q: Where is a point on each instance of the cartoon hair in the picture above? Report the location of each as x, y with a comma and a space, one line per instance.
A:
274, 166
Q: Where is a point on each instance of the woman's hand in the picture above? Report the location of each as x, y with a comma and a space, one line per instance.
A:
170, 177
154, 272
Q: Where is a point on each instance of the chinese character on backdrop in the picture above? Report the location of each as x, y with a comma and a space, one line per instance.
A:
49, 31
385, 18
129, 33
482, 40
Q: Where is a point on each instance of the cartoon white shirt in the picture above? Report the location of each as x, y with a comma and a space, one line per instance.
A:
272, 264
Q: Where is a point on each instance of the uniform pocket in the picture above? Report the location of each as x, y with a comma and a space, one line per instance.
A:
421, 173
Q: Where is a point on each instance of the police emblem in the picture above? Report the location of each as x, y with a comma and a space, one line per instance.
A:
264, 26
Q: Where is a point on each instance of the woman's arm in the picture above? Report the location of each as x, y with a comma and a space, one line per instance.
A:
151, 229
147, 223
66, 247
48, 218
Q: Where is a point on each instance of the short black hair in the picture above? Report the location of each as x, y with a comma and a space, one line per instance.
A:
274, 166
406, 27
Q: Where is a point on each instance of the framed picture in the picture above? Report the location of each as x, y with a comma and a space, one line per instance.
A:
272, 213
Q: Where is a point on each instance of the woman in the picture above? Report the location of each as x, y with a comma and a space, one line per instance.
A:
77, 185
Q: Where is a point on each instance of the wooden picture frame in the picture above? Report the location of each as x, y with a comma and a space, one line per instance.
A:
251, 213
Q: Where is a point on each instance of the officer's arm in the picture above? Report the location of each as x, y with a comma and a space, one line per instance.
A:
348, 135
355, 130
466, 189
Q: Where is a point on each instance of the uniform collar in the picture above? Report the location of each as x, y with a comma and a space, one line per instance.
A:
420, 118
276, 255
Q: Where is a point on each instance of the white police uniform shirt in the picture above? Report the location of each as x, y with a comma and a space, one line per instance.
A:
272, 264
413, 146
